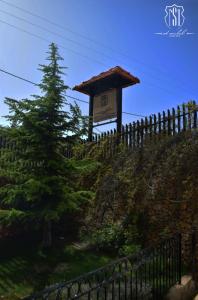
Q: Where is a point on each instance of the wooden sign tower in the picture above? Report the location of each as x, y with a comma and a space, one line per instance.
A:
105, 92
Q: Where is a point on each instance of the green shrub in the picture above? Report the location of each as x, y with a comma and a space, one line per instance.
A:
126, 250
114, 237
107, 237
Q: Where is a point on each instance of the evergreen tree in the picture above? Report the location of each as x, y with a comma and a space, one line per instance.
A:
41, 187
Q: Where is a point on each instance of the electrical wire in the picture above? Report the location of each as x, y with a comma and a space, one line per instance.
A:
16, 76
71, 50
183, 84
49, 21
69, 96
75, 52
55, 33
48, 41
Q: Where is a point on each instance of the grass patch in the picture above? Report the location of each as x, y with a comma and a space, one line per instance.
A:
23, 274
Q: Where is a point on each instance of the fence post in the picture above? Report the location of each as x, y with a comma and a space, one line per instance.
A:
184, 117
99, 138
169, 122
159, 123
173, 116
155, 124
194, 115
164, 122
111, 143
150, 127
146, 127
178, 119
130, 135
180, 258
115, 141
189, 107
142, 133
138, 133
122, 134
108, 144
134, 135
126, 135
194, 257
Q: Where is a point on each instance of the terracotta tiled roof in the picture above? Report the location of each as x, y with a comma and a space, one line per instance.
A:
126, 79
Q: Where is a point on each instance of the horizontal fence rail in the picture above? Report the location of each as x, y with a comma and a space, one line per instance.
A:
146, 275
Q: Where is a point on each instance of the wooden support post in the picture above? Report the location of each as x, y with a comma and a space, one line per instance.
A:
107, 87
90, 130
119, 110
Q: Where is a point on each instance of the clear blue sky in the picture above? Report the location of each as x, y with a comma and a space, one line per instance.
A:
116, 33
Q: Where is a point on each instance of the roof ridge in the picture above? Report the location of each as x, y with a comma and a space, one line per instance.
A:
126, 78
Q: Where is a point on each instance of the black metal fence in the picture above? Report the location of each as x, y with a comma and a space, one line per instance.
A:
146, 275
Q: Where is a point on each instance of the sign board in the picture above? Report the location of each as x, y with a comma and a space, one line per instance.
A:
104, 106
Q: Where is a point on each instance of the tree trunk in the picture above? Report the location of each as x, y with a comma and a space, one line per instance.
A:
47, 234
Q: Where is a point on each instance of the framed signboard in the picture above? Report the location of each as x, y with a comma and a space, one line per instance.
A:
104, 106
105, 97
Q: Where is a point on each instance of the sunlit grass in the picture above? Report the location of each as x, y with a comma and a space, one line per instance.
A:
22, 275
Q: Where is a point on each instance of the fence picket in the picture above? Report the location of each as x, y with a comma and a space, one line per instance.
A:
123, 134
130, 135
173, 120
148, 274
164, 122
169, 122
159, 123
126, 135
142, 133
138, 133
146, 126
189, 114
155, 124
133, 134
178, 119
150, 126
194, 115
184, 117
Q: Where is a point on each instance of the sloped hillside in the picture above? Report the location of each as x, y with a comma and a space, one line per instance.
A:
154, 188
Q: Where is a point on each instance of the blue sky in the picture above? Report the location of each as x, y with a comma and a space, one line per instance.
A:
97, 35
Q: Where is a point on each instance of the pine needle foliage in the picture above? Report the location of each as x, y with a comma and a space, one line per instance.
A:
41, 185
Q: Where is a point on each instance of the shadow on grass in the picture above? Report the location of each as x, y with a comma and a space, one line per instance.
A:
30, 270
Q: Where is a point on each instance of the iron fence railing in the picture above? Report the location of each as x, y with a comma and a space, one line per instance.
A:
145, 275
